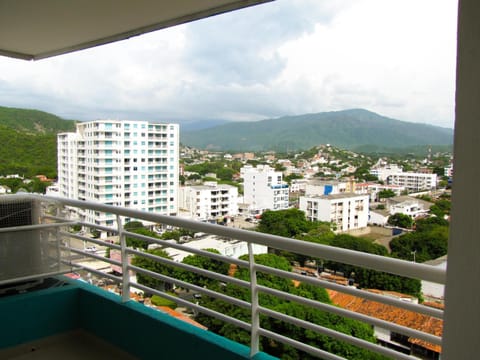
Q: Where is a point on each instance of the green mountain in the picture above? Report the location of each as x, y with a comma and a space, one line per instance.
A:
349, 129
29, 141
34, 121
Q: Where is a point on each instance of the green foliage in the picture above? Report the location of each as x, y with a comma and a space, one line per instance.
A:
33, 185
286, 223
291, 177
309, 337
160, 301
348, 129
138, 228
223, 169
133, 225
28, 139
386, 193
202, 262
429, 241
34, 121
441, 208
400, 220
154, 266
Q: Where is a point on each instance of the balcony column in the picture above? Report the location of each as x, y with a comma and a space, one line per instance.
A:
462, 314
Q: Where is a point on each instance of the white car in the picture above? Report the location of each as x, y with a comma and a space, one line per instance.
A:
91, 249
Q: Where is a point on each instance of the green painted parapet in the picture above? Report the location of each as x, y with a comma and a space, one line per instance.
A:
143, 332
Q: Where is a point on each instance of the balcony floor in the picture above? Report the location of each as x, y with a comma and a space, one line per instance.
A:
74, 345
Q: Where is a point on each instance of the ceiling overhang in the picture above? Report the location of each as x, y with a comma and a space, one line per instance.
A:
37, 29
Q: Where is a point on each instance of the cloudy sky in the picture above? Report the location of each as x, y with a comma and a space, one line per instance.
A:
290, 57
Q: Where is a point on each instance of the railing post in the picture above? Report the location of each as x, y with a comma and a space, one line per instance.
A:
124, 256
255, 318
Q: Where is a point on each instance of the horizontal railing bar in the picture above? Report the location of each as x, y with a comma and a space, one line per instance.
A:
33, 277
231, 320
334, 334
187, 285
33, 227
90, 255
92, 240
314, 250
299, 345
117, 279
185, 248
210, 274
430, 311
353, 315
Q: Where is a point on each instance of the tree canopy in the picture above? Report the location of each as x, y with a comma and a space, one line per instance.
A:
428, 242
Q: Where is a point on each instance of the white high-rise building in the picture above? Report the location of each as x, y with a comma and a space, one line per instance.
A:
264, 188
132, 164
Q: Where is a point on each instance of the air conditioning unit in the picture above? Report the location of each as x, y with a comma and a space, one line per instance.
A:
25, 252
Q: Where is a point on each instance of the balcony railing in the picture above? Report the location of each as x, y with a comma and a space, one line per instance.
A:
59, 250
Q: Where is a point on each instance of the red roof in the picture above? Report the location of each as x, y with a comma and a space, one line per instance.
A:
392, 314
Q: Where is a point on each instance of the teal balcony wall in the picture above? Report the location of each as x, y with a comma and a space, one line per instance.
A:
143, 332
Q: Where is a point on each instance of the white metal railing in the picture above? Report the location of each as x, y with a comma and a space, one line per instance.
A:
50, 221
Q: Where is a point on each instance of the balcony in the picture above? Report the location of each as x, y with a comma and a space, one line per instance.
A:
40, 245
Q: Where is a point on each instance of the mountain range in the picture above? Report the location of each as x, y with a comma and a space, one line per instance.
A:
349, 129
28, 137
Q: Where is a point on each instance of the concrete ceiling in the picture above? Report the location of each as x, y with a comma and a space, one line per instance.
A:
36, 29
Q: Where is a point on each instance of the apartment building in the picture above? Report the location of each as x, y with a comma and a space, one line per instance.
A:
413, 182
264, 188
347, 211
133, 164
209, 201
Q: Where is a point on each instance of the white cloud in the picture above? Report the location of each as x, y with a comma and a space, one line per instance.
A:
394, 57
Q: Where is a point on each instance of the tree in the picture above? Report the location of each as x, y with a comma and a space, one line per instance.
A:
307, 313
154, 266
202, 262
288, 223
400, 220
429, 241
386, 193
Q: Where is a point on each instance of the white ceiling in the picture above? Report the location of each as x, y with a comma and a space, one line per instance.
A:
36, 29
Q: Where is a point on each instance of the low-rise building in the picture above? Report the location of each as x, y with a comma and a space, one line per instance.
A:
210, 201
407, 205
226, 247
347, 211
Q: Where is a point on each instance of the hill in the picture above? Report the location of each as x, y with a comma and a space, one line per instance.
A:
349, 129
29, 142
34, 121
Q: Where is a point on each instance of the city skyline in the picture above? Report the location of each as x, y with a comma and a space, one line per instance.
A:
395, 58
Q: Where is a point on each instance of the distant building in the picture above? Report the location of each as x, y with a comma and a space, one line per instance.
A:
231, 248
347, 211
210, 201
132, 164
264, 188
407, 205
413, 182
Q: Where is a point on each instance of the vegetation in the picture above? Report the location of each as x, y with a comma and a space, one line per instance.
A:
428, 242
155, 266
400, 220
292, 223
28, 139
33, 185
160, 301
348, 129
273, 347
202, 262
223, 169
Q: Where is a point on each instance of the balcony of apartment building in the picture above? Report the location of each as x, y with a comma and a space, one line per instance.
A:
52, 315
